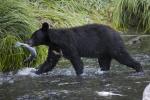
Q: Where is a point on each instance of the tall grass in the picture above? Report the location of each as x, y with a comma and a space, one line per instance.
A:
133, 14
15, 18
10, 57
16, 22
67, 13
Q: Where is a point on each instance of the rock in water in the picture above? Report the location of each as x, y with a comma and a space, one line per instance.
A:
146, 93
30, 49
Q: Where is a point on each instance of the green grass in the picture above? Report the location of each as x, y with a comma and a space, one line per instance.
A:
132, 15
67, 13
15, 18
16, 22
10, 57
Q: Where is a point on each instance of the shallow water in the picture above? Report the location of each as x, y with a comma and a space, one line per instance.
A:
62, 83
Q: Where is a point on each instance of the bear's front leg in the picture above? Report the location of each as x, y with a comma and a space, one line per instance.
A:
50, 62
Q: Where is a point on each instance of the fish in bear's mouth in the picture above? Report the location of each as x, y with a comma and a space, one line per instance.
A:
31, 49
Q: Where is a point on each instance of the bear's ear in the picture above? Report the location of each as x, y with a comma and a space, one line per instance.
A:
45, 26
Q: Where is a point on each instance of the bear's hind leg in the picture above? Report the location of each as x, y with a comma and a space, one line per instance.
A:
104, 62
123, 57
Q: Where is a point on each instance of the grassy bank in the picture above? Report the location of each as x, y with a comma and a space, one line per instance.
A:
67, 13
132, 15
16, 24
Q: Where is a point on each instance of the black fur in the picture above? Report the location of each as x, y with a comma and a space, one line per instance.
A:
93, 41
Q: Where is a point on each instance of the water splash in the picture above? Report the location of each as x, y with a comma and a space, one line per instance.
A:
27, 72
6, 78
70, 72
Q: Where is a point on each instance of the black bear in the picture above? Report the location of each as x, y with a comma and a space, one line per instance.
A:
92, 40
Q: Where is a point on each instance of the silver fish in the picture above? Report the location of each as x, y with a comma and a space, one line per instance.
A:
30, 49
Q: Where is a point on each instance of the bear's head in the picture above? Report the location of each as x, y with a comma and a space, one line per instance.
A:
39, 37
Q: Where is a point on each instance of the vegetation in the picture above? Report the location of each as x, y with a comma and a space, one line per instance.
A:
15, 19
67, 13
16, 22
11, 57
19, 18
133, 14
